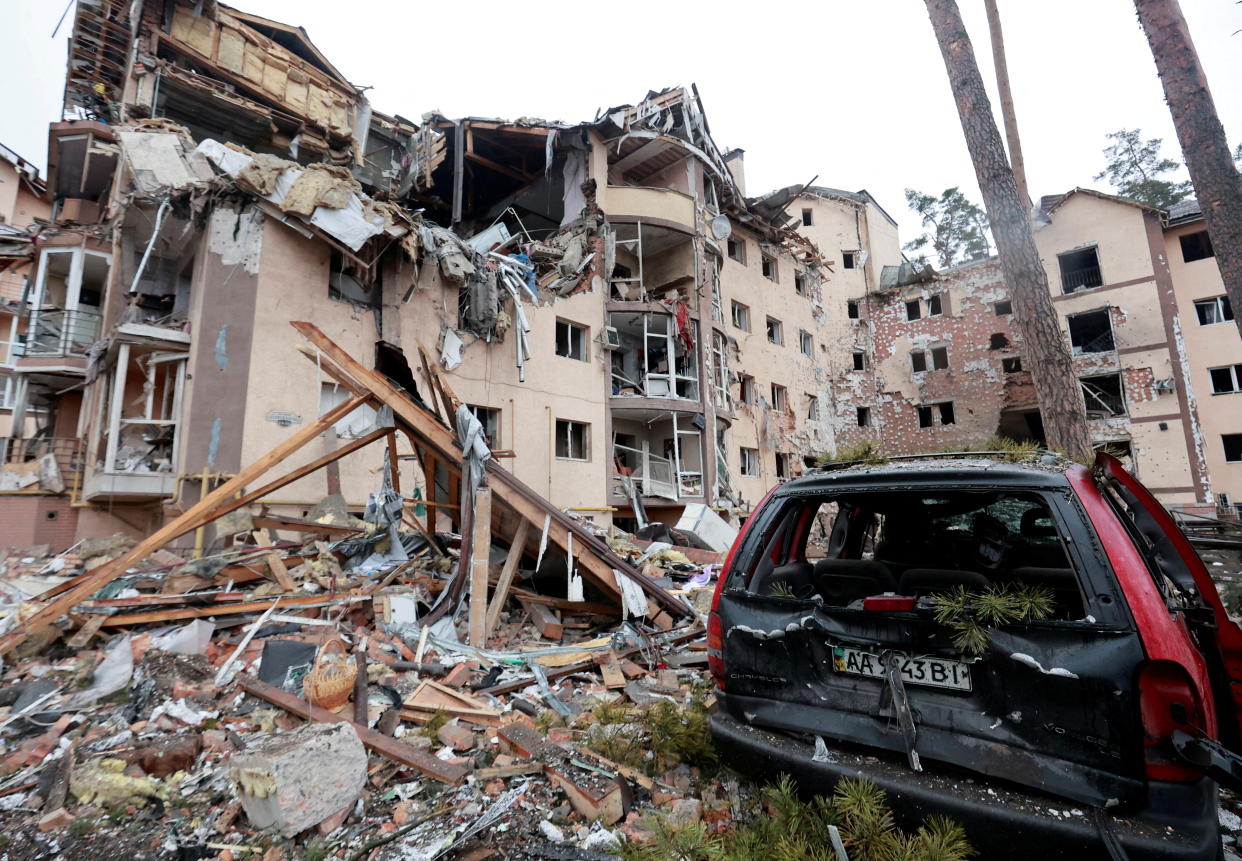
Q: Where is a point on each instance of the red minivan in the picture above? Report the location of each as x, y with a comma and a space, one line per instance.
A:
1097, 725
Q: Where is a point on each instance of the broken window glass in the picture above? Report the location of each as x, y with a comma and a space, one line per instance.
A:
940, 358
748, 461
780, 398
741, 316
1103, 396
1196, 246
571, 340
914, 310
805, 342
918, 361
860, 360
1226, 380
776, 331
864, 417
1080, 270
1214, 310
769, 268
1091, 332
572, 439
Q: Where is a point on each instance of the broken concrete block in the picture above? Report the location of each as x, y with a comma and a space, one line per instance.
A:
57, 819
298, 779
686, 811
456, 736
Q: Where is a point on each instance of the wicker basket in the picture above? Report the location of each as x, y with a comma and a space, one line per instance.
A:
330, 682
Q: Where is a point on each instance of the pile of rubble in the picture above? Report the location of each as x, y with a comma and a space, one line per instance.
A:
205, 722
369, 687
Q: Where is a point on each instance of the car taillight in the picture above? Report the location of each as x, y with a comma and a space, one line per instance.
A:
715, 649
889, 602
1167, 702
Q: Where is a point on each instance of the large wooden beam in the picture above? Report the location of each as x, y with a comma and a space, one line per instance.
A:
597, 560
480, 559
198, 514
506, 574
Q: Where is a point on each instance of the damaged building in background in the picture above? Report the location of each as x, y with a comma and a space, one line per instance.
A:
1140, 302
639, 339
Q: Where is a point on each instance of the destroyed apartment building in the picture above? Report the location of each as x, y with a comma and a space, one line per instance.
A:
640, 341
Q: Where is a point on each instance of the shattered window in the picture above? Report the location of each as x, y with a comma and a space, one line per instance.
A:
780, 398
805, 342
737, 250
1091, 332
799, 284
933, 305
851, 309
776, 332
918, 361
925, 417
914, 310
748, 393
1003, 308
916, 543
1233, 447
1196, 246
864, 417
1226, 380
849, 259
782, 465
1080, 270
571, 340
1011, 365
769, 268
946, 412
741, 316
1214, 310
940, 358
808, 218
860, 360
1103, 396
489, 418
748, 461
572, 440
812, 408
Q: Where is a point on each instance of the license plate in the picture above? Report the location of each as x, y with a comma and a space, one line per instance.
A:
929, 672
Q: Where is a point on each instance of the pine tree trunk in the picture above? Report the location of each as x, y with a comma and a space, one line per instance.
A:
1046, 353
1217, 182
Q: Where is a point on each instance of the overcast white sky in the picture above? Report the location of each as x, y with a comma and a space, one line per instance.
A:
854, 92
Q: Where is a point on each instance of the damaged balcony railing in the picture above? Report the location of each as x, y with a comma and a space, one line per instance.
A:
67, 452
653, 474
59, 332
1080, 279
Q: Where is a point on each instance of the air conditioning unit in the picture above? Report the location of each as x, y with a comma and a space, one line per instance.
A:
611, 338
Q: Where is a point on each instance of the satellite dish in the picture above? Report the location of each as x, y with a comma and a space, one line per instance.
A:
721, 228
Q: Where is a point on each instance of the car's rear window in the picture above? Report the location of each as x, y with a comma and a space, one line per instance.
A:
847, 546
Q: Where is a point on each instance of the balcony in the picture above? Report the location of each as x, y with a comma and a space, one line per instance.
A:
1082, 279
57, 333
656, 206
25, 465
655, 358
658, 456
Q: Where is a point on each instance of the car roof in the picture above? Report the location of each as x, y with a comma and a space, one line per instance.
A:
1042, 469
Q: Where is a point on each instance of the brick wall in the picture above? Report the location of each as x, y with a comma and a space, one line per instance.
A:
26, 521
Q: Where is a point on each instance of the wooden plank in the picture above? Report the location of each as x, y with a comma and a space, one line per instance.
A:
277, 566
481, 546
584, 666
566, 604
82, 638
391, 748
294, 525
205, 510
394, 466
224, 610
498, 167
506, 575
542, 618
166, 600
597, 562
610, 669
302, 471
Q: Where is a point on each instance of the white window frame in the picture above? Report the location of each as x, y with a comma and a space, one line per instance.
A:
568, 430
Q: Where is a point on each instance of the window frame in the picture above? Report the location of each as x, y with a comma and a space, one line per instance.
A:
1235, 373
569, 424
863, 416
1008, 305
583, 332
736, 306
768, 262
737, 244
748, 457
780, 397
1225, 447
860, 360
1222, 309
808, 217
778, 330
1207, 241
806, 343
853, 311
